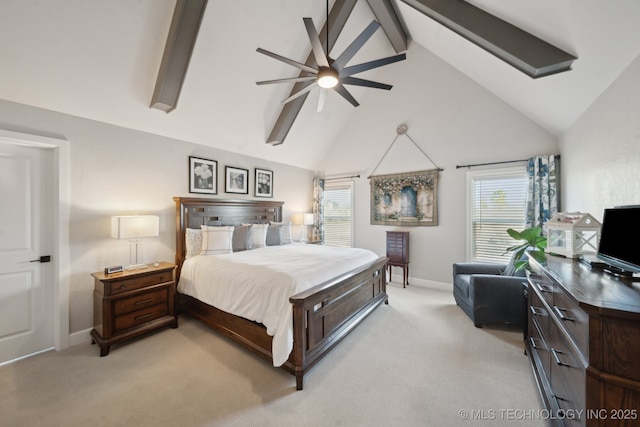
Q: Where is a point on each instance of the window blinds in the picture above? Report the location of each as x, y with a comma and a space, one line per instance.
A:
499, 202
338, 223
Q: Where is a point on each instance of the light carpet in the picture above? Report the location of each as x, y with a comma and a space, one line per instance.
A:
418, 361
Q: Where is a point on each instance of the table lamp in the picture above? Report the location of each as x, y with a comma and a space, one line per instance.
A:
135, 227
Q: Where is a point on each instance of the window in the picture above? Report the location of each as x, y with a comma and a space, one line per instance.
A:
497, 202
338, 213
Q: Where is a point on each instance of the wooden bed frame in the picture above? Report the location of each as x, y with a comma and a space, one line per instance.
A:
322, 315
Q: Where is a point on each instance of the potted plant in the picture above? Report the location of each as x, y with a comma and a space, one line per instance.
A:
531, 241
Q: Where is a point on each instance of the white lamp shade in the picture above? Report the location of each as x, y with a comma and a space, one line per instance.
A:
307, 219
134, 227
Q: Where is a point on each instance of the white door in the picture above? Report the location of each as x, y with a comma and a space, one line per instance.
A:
26, 291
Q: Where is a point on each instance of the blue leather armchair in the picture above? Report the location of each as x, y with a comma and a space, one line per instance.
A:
490, 294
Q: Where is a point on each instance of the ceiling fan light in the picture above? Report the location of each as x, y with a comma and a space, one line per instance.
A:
327, 78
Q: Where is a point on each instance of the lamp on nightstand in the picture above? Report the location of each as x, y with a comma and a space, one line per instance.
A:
304, 220
307, 219
135, 227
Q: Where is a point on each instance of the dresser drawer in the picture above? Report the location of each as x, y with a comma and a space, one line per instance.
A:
139, 317
567, 376
137, 282
538, 314
140, 301
573, 318
544, 286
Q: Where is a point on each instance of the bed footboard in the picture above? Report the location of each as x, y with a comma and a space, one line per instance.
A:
325, 314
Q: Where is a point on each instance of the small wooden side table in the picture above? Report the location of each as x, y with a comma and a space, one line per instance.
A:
398, 253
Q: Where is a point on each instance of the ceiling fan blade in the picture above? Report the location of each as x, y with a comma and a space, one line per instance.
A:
287, 80
321, 98
301, 92
318, 52
355, 46
355, 69
303, 67
345, 94
366, 83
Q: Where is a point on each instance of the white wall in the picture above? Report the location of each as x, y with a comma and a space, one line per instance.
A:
121, 171
454, 121
601, 151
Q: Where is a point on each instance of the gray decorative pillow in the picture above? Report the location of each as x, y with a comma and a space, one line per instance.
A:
242, 238
258, 235
285, 232
273, 235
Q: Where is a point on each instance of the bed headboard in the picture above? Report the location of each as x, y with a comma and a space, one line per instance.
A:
193, 212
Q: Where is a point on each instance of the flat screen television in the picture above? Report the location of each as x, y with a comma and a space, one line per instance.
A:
619, 245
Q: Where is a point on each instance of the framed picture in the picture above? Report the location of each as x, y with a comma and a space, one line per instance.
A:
203, 176
236, 180
264, 183
405, 199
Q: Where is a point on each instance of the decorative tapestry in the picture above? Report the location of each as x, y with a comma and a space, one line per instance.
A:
405, 199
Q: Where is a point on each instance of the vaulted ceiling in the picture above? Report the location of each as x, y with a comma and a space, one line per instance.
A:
99, 60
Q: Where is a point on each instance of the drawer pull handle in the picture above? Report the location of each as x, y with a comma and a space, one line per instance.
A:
123, 287
534, 344
561, 313
536, 311
143, 302
544, 288
144, 316
556, 357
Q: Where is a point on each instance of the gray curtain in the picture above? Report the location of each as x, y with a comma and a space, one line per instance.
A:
318, 209
542, 196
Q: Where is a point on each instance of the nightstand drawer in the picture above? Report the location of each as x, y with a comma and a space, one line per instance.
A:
139, 317
137, 282
140, 301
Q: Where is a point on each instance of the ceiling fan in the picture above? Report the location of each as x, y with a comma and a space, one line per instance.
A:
332, 73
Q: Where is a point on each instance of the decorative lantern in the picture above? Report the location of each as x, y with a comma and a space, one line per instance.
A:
572, 234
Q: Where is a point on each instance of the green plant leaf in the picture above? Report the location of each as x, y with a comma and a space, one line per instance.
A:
531, 240
538, 256
514, 234
521, 265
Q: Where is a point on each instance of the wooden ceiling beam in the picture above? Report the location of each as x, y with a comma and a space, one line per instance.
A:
522, 50
183, 32
388, 19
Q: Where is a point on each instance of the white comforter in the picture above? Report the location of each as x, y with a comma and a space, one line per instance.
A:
256, 284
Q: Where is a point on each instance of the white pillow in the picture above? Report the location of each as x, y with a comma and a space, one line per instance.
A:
258, 235
193, 242
216, 240
285, 232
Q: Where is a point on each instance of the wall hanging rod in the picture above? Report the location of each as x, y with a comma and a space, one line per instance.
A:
342, 177
490, 163
402, 130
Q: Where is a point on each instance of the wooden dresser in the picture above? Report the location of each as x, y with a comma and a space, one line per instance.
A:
398, 253
132, 302
583, 343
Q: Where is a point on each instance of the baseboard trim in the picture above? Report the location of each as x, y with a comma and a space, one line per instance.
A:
441, 286
80, 337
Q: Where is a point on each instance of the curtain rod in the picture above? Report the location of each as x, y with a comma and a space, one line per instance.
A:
342, 177
491, 163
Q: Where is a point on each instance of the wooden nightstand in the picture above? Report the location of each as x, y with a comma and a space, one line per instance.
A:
132, 302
